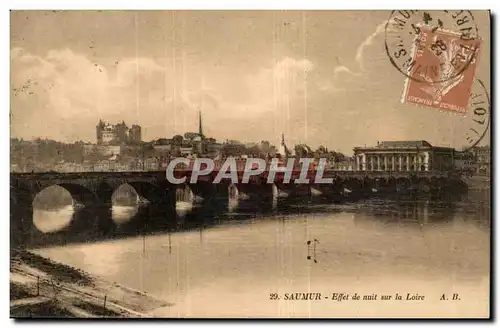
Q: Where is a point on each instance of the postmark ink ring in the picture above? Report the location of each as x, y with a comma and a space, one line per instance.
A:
431, 47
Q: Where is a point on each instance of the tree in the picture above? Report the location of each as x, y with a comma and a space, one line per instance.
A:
177, 140
303, 150
254, 151
161, 141
148, 150
321, 152
267, 148
231, 149
337, 157
94, 156
191, 136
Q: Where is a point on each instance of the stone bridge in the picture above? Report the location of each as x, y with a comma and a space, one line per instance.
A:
94, 190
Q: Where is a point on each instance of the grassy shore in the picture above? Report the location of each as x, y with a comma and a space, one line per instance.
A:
40, 287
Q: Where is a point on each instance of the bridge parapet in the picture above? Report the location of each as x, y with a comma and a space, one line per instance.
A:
387, 174
42, 180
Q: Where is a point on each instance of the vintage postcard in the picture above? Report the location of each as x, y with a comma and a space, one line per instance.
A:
250, 164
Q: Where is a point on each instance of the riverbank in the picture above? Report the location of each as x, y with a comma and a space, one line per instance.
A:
40, 287
478, 182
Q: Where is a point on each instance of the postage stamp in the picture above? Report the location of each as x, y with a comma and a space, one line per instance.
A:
443, 68
407, 32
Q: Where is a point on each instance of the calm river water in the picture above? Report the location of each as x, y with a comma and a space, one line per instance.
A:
229, 269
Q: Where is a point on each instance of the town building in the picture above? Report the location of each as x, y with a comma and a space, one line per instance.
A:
135, 134
186, 150
162, 149
118, 134
103, 150
482, 159
404, 156
347, 164
105, 133
212, 148
191, 144
464, 161
163, 146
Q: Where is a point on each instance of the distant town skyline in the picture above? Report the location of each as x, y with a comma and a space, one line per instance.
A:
253, 74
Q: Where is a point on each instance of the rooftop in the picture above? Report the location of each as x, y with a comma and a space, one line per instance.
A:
404, 144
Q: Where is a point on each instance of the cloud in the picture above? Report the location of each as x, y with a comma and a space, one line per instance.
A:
340, 69
366, 43
71, 93
339, 72
67, 93
272, 88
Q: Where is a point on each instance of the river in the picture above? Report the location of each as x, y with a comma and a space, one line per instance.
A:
230, 268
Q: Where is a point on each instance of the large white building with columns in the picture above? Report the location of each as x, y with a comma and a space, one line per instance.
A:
404, 156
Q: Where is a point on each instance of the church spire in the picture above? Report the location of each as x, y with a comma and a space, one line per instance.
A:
200, 125
282, 150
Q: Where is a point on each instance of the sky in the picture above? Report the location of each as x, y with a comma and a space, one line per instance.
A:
319, 77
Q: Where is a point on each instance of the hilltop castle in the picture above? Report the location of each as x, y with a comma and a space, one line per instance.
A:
109, 134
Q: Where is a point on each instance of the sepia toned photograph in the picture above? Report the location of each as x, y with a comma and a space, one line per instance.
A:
250, 164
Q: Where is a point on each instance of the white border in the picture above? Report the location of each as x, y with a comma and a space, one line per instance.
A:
246, 4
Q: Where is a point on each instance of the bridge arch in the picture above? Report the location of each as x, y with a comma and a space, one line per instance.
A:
125, 195
79, 193
125, 203
54, 206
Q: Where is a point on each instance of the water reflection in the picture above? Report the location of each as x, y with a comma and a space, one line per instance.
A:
53, 209
123, 214
52, 220
431, 246
420, 212
236, 194
189, 214
233, 205
61, 218
185, 200
258, 241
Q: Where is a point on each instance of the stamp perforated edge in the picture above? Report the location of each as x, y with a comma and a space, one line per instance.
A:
407, 79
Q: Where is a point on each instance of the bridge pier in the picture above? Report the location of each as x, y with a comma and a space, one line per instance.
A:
22, 227
87, 224
205, 192
158, 199
254, 191
82, 195
295, 190
103, 218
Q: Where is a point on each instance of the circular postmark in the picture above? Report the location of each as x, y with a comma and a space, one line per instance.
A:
478, 115
431, 46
